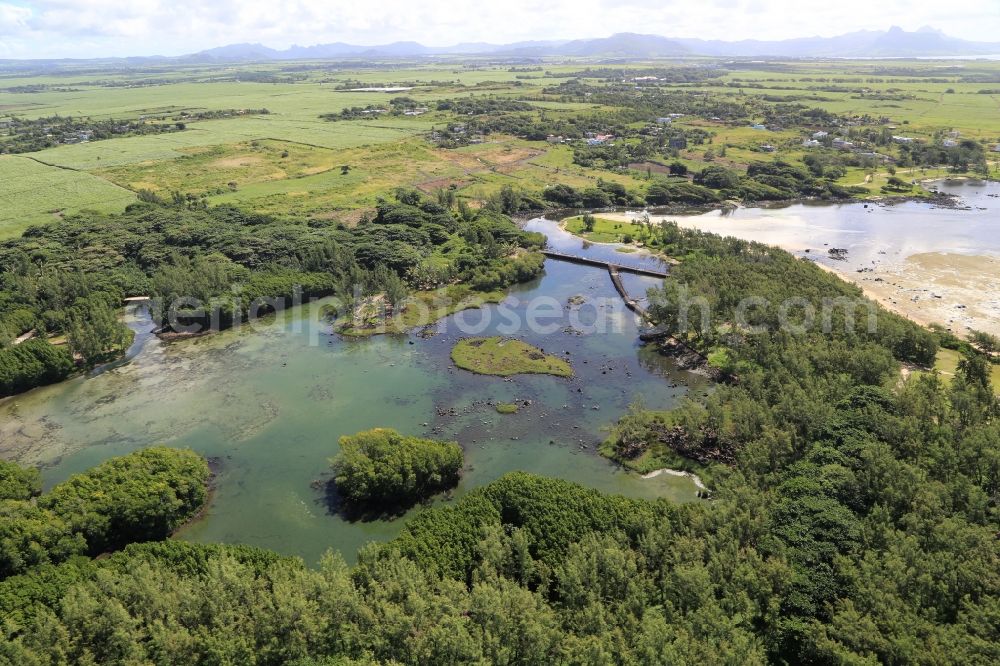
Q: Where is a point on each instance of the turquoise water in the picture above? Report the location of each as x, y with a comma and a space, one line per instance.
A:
269, 405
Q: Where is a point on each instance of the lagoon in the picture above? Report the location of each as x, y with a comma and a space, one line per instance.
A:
268, 406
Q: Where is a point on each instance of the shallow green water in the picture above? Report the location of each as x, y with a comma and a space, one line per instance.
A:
270, 405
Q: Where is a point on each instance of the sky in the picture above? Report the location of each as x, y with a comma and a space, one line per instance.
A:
100, 28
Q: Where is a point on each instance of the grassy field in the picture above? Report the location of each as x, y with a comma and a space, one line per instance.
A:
35, 193
605, 230
947, 365
504, 357
243, 160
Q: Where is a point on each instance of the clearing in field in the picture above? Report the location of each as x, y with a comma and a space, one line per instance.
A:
211, 169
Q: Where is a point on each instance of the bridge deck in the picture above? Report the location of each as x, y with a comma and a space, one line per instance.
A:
616, 279
562, 256
630, 302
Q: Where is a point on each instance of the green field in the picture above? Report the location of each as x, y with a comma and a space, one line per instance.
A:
35, 193
239, 159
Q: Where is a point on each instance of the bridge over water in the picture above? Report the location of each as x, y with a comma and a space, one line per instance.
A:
614, 270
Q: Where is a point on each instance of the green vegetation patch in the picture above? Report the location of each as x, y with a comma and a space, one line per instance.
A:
381, 467
420, 309
506, 408
143, 496
504, 357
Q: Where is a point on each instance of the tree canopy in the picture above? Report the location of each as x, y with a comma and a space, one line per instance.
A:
381, 467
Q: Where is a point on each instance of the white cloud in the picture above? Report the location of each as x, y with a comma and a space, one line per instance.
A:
13, 19
82, 28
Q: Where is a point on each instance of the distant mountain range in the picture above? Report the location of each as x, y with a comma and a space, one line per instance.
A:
894, 42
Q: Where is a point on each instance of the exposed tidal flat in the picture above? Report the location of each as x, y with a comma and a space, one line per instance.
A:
269, 405
930, 263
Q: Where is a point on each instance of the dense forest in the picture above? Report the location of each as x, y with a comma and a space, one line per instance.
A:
536, 571
794, 340
69, 279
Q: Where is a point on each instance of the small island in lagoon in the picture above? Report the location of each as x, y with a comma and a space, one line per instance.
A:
380, 468
504, 357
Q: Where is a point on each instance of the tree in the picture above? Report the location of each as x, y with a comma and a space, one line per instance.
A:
717, 177
142, 496
95, 331
510, 200
30, 536
395, 289
985, 341
588, 222
33, 363
975, 369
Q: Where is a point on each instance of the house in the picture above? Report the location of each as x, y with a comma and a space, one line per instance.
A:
820, 135
676, 115
664, 121
876, 156
949, 143
996, 148
678, 143
811, 143
552, 138
842, 144
903, 139
758, 127
598, 139
767, 148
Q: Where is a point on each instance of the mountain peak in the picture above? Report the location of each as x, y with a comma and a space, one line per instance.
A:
894, 42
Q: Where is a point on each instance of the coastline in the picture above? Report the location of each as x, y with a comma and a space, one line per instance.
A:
958, 290
676, 472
